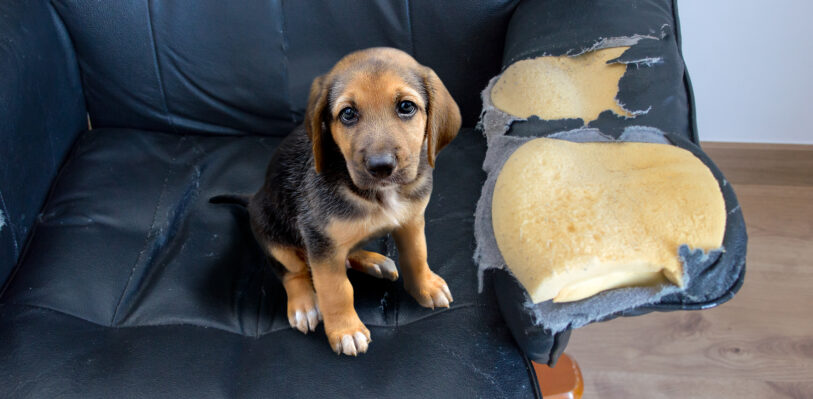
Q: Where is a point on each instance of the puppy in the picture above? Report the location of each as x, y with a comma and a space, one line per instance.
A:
359, 167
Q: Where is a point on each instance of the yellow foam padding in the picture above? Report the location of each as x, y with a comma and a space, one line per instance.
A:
574, 219
562, 87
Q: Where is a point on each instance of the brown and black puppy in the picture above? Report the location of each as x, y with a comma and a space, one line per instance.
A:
361, 166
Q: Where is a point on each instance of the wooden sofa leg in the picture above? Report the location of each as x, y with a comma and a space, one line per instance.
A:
564, 381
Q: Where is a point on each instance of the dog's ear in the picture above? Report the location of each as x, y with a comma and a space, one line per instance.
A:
314, 118
442, 115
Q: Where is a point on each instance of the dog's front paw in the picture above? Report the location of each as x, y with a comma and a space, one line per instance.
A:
303, 312
347, 335
430, 290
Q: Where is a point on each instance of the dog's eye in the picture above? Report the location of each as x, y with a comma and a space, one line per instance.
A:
348, 115
406, 108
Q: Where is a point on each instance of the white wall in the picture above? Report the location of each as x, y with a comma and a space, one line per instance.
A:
751, 64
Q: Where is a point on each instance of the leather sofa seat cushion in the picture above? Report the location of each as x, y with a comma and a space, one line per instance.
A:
133, 275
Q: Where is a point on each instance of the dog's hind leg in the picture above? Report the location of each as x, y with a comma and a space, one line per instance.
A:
303, 311
372, 263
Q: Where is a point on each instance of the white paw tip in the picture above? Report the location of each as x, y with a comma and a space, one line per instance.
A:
447, 292
441, 301
313, 319
348, 346
361, 341
301, 322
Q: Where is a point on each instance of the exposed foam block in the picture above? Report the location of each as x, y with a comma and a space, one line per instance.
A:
574, 219
563, 87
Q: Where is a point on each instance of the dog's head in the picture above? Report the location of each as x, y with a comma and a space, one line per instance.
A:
383, 110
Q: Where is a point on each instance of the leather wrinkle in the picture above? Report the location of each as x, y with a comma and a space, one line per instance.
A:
143, 250
64, 28
10, 225
75, 149
409, 26
209, 97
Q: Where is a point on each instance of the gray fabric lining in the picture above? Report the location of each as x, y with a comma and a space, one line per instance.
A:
558, 317
493, 121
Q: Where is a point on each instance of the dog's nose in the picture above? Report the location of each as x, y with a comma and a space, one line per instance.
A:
380, 166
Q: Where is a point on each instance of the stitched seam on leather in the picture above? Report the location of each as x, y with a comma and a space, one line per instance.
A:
146, 241
264, 269
238, 300
62, 313
409, 26
157, 66
286, 61
238, 314
259, 309
196, 161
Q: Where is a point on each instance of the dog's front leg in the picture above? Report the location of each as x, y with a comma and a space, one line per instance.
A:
345, 331
429, 289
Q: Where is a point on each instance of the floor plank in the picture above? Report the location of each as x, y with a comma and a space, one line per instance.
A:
760, 344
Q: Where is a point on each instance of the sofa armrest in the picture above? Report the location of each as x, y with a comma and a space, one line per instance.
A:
658, 83
42, 110
656, 86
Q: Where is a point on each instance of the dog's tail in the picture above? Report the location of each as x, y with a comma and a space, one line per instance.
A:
236, 199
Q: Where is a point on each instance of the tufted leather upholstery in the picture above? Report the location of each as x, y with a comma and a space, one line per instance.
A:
213, 67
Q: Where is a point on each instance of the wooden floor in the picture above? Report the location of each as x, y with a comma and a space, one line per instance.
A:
758, 345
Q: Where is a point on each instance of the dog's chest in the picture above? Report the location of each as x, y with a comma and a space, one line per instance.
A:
393, 210
388, 211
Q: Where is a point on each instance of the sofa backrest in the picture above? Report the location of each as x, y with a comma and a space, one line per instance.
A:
216, 66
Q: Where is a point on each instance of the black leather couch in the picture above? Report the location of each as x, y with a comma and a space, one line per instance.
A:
121, 280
